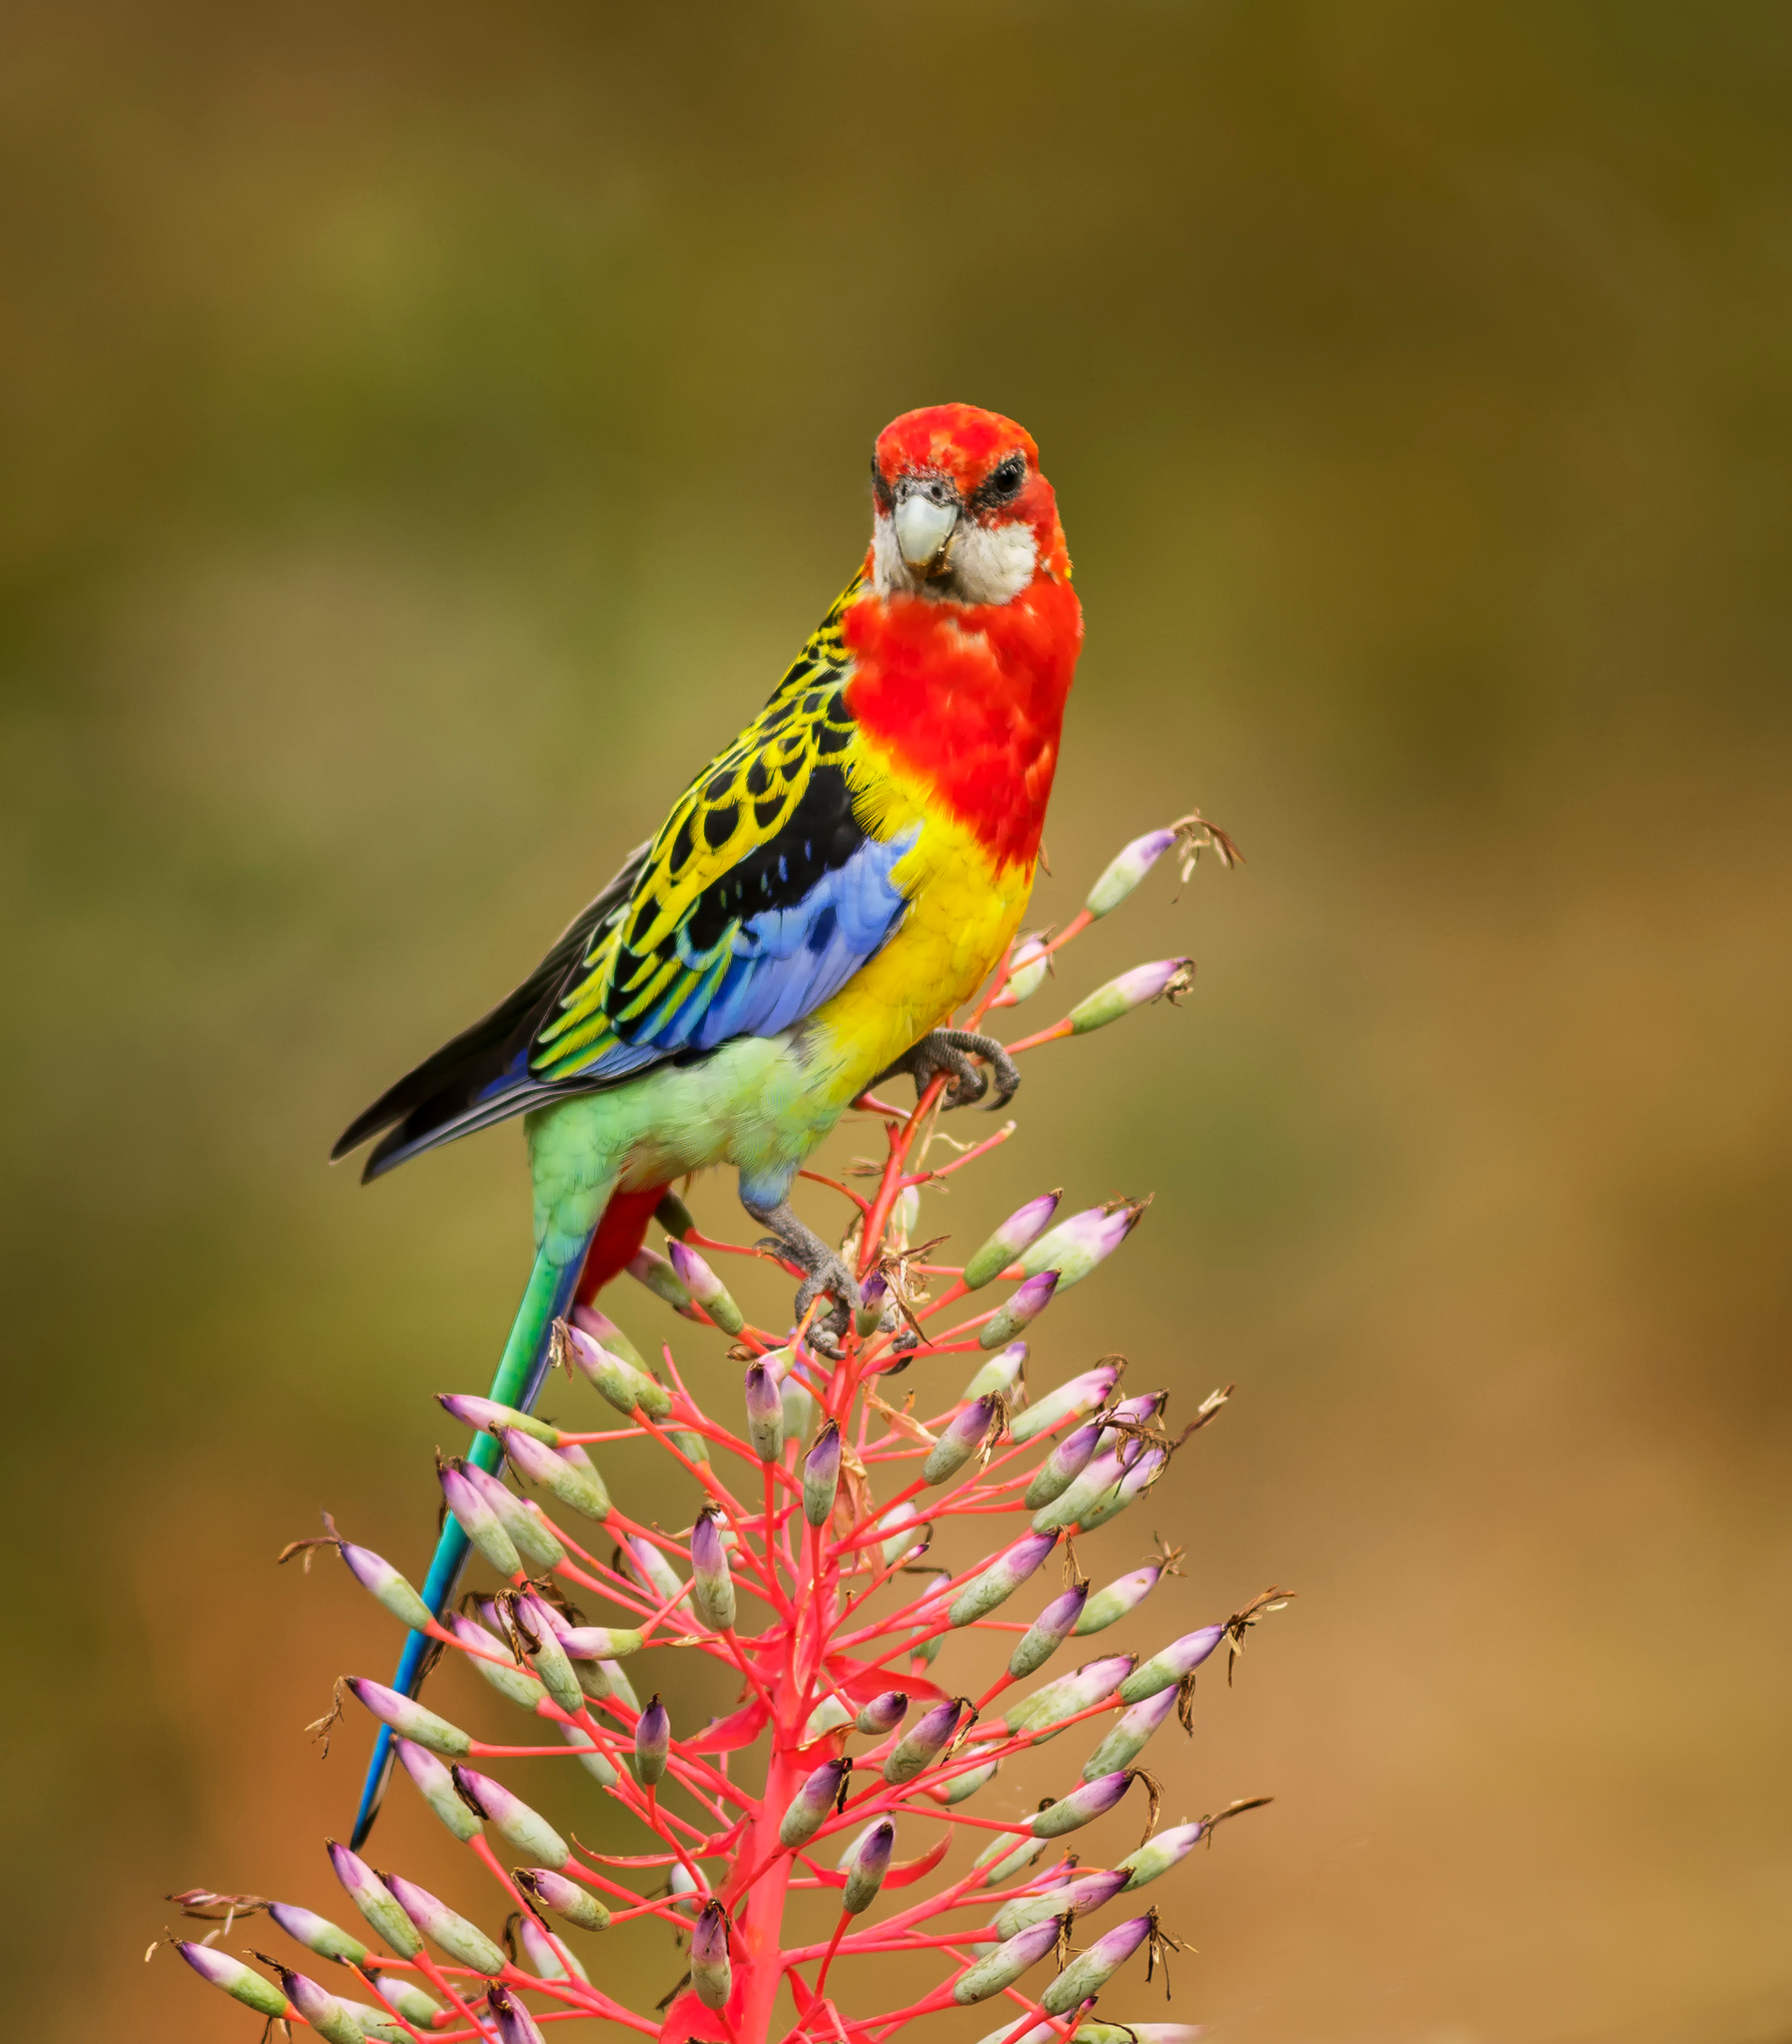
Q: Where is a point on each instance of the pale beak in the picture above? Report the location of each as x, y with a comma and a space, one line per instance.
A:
923, 530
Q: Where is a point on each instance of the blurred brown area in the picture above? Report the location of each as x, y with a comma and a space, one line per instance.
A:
428, 430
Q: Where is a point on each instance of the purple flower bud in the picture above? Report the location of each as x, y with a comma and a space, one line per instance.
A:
874, 1297
409, 1720
1027, 966
1047, 1631
1004, 1374
515, 2024
712, 1974
1125, 1594
1144, 983
374, 1573
371, 1896
661, 1280
1021, 1228
1126, 1739
1082, 1892
1022, 1307
713, 1589
568, 1473
1140, 1411
1063, 1466
959, 1443
317, 1934
546, 1656
1090, 1972
882, 1714
1082, 1394
705, 1287
319, 2008
526, 1829
1075, 1246
243, 1983
765, 1412
565, 1898
918, 1748
960, 1786
529, 1533
477, 1520
1089, 1800
601, 1329
1128, 867
870, 1862
506, 1676
1088, 1490
489, 1417
821, 1475
653, 1741
1163, 1671
551, 1958
1002, 1578
812, 1803
1139, 1471
908, 1537
1003, 1966
599, 1642
1157, 1856
410, 2001
624, 1384
1078, 1691
436, 1786
652, 1569
464, 1942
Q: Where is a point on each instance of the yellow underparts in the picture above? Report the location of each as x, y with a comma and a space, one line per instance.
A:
764, 1103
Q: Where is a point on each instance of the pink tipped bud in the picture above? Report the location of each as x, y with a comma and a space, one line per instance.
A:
627, 1386
1003, 1966
504, 1674
1070, 1694
1047, 1631
811, 1805
1083, 1496
1136, 989
489, 1417
606, 1334
526, 1829
1159, 1854
1087, 1975
1027, 967
379, 1576
1163, 1671
713, 1589
821, 1476
652, 1569
1126, 1740
477, 1520
1004, 1374
319, 2007
705, 1287
882, 1714
317, 1934
1082, 1394
530, 1534
374, 1900
599, 1642
1075, 1246
241, 1983
1001, 1579
436, 1786
653, 1741
1137, 1473
918, 1749
711, 1971
1125, 871
464, 1942
1089, 1800
1022, 1308
765, 1412
541, 1622
409, 1720
661, 1280
1022, 1227
565, 1898
959, 1442
1084, 1893
515, 2024
1061, 1468
869, 1862
568, 1473
1125, 1594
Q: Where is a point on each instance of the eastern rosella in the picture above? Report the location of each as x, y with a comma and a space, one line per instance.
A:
821, 897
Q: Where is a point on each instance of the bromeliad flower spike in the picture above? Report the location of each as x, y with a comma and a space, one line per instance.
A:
849, 1751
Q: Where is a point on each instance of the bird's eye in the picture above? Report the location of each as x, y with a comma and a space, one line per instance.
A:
1006, 479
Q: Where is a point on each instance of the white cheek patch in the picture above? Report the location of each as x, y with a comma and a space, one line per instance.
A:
986, 563
992, 563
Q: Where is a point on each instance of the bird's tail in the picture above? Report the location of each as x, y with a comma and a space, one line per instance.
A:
551, 1290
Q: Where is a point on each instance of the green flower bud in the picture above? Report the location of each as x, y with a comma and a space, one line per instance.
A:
1082, 1394
1126, 1740
526, 1829
1020, 1228
1001, 1375
436, 1786
1144, 984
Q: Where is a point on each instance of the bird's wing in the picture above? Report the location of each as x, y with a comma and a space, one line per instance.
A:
762, 894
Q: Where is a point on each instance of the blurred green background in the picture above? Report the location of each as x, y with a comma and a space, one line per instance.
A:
429, 430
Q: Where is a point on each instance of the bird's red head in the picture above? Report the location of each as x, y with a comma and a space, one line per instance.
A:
963, 514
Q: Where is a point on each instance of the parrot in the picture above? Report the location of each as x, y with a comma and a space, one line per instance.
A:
821, 897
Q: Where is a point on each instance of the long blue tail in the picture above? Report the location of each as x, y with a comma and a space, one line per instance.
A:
519, 1377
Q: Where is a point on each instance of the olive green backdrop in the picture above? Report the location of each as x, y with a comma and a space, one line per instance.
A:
428, 432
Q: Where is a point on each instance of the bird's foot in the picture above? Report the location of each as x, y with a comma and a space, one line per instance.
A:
952, 1051
824, 1269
